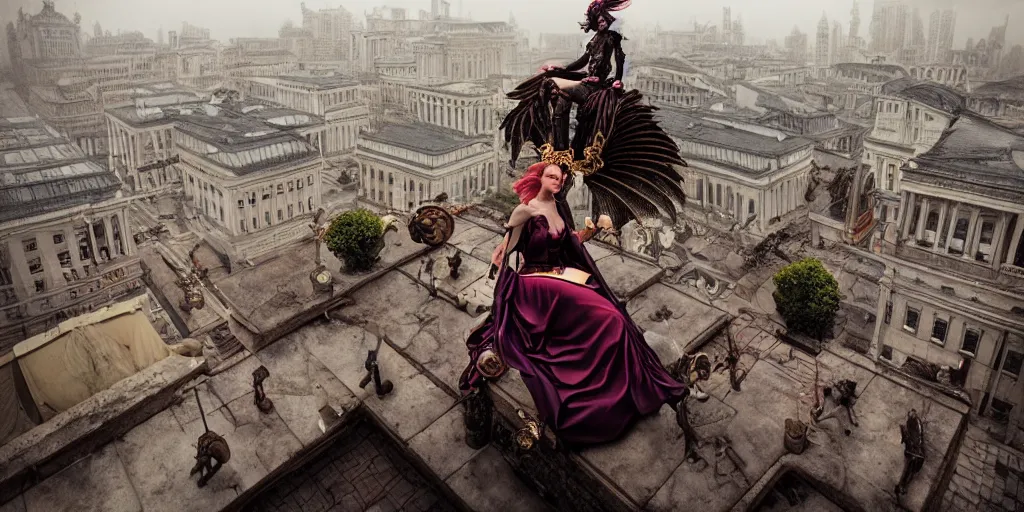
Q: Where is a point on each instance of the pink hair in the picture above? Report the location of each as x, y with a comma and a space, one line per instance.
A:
528, 186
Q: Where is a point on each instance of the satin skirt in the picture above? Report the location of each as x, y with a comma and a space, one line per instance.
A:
587, 366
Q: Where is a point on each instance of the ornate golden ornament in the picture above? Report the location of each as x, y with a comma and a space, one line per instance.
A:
527, 436
432, 226
591, 162
490, 365
549, 155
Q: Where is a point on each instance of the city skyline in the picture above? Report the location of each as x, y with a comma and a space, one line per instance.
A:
762, 22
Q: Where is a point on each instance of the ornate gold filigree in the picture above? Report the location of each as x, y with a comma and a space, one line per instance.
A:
591, 162
549, 155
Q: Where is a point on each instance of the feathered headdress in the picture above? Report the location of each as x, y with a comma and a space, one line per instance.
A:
602, 9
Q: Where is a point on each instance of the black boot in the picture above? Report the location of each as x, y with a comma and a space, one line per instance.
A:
560, 123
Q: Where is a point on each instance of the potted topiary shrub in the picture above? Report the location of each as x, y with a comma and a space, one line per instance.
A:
356, 237
807, 297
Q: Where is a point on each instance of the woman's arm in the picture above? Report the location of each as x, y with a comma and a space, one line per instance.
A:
620, 56
499, 252
578, 65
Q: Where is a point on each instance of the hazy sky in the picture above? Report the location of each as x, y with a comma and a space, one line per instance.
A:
763, 19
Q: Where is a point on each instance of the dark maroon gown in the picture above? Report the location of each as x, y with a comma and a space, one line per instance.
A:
586, 364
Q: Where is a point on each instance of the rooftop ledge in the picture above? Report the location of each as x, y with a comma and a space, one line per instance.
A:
79, 431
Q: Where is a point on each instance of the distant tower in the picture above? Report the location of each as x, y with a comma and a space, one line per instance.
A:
160, 36
821, 48
97, 30
726, 24
854, 24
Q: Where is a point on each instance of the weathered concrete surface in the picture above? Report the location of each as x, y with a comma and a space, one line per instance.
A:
487, 483
989, 476
74, 433
97, 483
626, 275
161, 279
442, 445
276, 296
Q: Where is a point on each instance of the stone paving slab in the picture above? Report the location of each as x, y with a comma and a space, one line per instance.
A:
97, 483
269, 296
487, 483
440, 345
442, 445
158, 455
690, 318
627, 276
390, 306
300, 385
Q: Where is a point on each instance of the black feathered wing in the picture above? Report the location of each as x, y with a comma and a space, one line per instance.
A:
638, 179
530, 120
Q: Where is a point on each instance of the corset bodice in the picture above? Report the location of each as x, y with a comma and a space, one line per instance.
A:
539, 248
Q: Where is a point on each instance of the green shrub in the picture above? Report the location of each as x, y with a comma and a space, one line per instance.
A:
807, 297
355, 238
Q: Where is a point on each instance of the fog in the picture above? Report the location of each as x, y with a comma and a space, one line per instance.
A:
763, 20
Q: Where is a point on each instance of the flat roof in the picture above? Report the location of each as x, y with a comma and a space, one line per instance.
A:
422, 137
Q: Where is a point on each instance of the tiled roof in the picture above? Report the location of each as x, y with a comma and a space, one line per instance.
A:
39, 191
976, 154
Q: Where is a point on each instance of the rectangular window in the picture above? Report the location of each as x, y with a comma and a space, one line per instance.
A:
35, 265
291, 211
309, 180
886, 352
58, 239
255, 225
280, 189
5, 277
40, 285
241, 203
291, 186
30, 245
266, 196
972, 338
939, 328
888, 312
1013, 362
266, 217
241, 224
700, 190
890, 176
911, 319
280, 215
65, 259
298, 184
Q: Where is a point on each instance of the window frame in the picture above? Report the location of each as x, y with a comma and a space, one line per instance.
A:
977, 345
945, 336
1020, 365
917, 320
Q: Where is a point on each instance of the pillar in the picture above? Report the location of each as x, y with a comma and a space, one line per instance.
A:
908, 214
1015, 240
997, 242
972, 236
921, 219
938, 228
952, 227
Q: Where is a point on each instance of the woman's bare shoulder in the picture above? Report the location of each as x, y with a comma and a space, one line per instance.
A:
521, 214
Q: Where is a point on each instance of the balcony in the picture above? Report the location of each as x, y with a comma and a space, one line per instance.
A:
1007, 275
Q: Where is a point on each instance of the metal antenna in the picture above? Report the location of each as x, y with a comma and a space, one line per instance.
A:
201, 413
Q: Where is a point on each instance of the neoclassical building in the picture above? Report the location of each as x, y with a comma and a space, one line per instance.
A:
675, 83
466, 107
141, 139
953, 294
910, 116
740, 171
250, 185
403, 165
338, 100
65, 241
